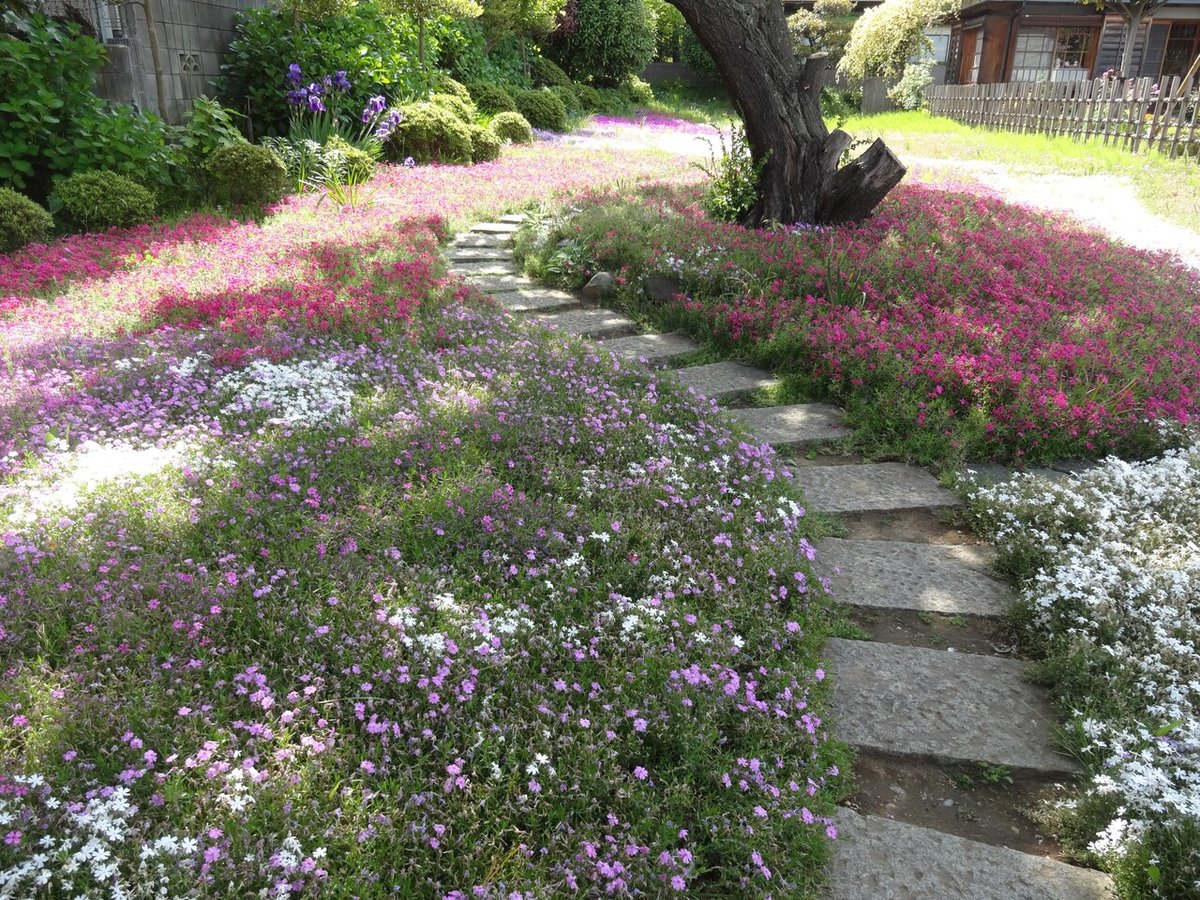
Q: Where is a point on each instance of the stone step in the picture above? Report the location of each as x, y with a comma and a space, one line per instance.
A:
655, 349
535, 300
589, 323
722, 380
498, 284
512, 219
898, 575
941, 705
880, 859
871, 487
475, 254
484, 267
794, 426
469, 239
494, 228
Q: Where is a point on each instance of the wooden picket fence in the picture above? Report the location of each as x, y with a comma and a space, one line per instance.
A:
1133, 114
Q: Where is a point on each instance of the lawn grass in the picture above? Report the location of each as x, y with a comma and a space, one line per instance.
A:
1168, 187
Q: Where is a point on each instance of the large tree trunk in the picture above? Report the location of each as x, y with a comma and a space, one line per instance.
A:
780, 106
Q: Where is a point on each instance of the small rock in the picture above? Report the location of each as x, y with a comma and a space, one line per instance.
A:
1074, 466
947, 802
602, 283
661, 289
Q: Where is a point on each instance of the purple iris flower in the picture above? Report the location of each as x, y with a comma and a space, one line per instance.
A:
341, 82
297, 98
315, 89
315, 104
388, 125
293, 75
374, 107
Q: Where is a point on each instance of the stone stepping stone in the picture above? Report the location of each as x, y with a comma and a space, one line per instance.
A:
589, 323
474, 254
484, 267
936, 704
719, 381
498, 284
881, 859
494, 228
656, 349
535, 300
898, 575
469, 239
794, 426
871, 487
512, 219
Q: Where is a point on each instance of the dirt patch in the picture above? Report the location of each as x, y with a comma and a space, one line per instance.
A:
981, 803
936, 631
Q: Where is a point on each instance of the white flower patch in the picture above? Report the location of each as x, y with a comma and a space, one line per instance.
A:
308, 392
1124, 580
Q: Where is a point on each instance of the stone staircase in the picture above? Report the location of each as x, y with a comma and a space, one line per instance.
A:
909, 703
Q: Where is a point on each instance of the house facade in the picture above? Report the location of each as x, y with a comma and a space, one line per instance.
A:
192, 36
1043, 40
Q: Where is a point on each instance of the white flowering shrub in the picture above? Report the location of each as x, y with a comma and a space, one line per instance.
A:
1110, 563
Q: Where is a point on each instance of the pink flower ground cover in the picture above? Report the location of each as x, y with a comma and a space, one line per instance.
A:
951, 325
319, 577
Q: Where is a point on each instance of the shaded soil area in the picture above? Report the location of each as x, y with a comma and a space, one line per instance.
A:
982, 803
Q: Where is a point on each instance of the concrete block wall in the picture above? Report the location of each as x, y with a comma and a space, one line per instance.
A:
192, 36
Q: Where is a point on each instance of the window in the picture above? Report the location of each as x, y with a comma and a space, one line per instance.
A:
976, 48
1183, 45
1053, 54
107, 17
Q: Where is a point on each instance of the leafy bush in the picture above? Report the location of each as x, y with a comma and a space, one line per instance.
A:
492, 98
590, 99
22, 221
429, 132
604, 41
464, 111
377, 51
485, 144
543, 109
840, 104
512, 126
669, 26
53, 124
349, 162
547, 73
612, 100
444, 84
568, 96
473, 56
733, 188
693, 55
909, 91
638, 91
886, 37
246, 174
103, 199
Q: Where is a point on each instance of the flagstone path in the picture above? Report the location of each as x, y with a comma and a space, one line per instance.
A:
911, 703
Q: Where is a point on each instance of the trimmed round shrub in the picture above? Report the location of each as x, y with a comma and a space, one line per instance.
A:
22, 221
638, 91
444, 84
568, 96
359, 164
590, 99
464, 110
485, 144
246, 174
429, 132
542, 109
512, 126
612, 100
546, 73
492, 98
102, 199
608, 41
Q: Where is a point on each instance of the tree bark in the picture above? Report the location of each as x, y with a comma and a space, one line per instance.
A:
780, 107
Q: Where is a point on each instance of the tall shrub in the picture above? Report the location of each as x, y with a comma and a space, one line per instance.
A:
603, 41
